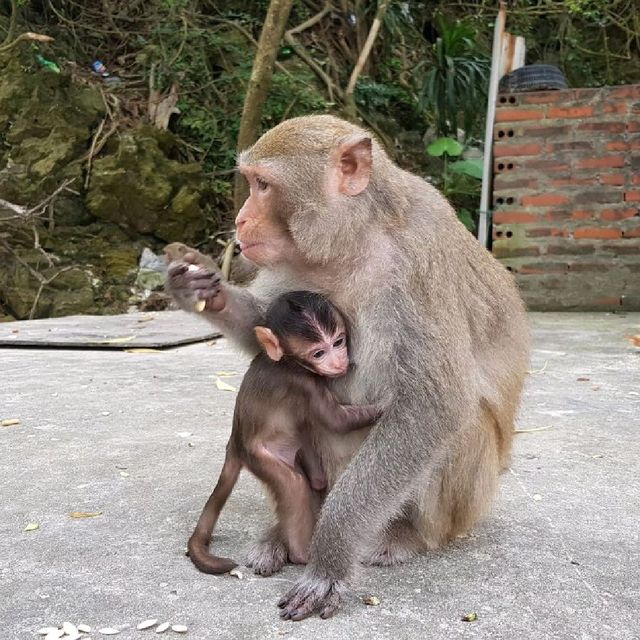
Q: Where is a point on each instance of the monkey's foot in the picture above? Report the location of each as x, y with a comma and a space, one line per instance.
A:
267, 556
401, 543
312, 595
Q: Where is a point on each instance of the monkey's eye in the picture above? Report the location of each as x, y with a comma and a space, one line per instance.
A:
339, 342
318, 354
261, 184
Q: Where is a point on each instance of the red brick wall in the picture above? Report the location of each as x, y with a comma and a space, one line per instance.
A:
566, 196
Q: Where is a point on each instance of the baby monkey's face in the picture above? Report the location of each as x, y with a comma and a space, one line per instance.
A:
328, 356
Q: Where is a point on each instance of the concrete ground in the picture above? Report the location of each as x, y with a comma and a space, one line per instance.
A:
139, 438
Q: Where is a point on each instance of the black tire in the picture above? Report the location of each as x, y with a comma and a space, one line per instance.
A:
533, 77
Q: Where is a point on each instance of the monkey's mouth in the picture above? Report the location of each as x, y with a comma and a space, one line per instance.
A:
248, 245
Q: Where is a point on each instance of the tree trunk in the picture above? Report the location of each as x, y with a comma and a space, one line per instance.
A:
259, 84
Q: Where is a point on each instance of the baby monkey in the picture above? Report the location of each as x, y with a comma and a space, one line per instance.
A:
283, 400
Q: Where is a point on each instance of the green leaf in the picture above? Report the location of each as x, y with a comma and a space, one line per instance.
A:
464, 215
445, 145
471, 167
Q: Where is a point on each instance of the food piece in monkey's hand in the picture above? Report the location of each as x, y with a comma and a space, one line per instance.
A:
193, 279
200, 304
282, 403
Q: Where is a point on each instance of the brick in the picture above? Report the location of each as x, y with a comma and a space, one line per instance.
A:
621, 108
610, 301
632, 196
549, 166
611, 215
616, 179
608, 127
557, 215
503, 181
531, 149
543, 132
570, 112
542, 232
627, 91
633, 127
545, 97
597, 233
631, 233
541, 268
600, 163
602, 196
581, 215
513, 217
570, 248
635, 179
617, 146
589, 266
514, 252
574, 145
570, 182
545, 200
629, 247
518, 115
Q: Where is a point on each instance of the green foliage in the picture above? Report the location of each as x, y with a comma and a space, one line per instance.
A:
460, 180
445, 145
472, 168
457, 81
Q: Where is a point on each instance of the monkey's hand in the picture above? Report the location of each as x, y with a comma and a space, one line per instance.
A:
195, 287
312, 594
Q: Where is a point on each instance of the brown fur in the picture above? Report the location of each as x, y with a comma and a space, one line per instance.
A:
438, 331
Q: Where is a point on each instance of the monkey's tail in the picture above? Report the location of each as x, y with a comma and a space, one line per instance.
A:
198, 545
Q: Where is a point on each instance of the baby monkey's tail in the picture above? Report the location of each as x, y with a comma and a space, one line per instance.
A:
198, 545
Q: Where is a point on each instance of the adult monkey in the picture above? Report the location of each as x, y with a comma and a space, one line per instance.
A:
439, 334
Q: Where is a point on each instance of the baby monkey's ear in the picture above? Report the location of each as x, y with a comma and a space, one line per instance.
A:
269, 342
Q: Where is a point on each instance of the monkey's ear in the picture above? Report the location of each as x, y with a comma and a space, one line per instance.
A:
353, 160
269, 342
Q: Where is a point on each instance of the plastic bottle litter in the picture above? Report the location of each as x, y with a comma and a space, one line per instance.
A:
48, 64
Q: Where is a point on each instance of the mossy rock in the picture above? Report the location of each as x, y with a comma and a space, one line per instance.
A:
142, 190
69, 293
46, 123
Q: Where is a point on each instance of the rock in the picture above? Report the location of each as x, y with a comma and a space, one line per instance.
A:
143, 191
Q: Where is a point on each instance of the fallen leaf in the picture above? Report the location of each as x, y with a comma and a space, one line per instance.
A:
534, 371
223, 386
32, 526
227, 374
85, 514
534, 429
236, 573
583, 379
372, 601
634, 340
146, 319
143, 350
9, 422
470, 617
117, 340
